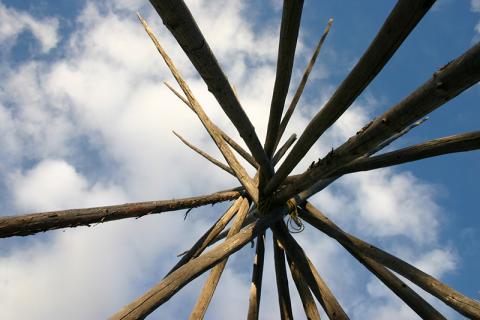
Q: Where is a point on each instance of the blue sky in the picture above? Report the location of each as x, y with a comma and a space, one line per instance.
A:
85, 120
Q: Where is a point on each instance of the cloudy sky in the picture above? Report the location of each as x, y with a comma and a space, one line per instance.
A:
85, 120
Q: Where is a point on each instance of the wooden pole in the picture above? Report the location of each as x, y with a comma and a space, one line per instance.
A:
304, 292
456, 143
210, 285
452, 79
224, 135
278, 155
463, 304
282, 282
404, 292
208, 236
301, 86
432, 148
257, 277
240, 172
310, 274
401, 21
24, 225
178, 19
165, 289
291, 16
322, 184
281, 152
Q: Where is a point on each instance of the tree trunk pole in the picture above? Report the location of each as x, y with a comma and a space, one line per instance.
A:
179, 20
165, 289
432, 148
301, 86
404, 292
304, 292
449, 81
257, 276
319, 288
463, 304
24, 225
210, 285
290, 25
282, 282
281, 152
240, 172
401, 21
208, 237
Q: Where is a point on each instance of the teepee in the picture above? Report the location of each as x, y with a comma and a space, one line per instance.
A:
273, 199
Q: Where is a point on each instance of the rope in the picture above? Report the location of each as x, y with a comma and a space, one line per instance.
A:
294, 224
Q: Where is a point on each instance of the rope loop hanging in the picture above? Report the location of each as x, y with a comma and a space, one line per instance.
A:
294, 224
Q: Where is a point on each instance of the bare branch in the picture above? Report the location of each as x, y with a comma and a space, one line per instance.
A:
225, 136
401, 21
463, 304
257, 276
25, 225
303, 82
178, 19
206, 155
210, 285
179, 95
240, 172
291, 16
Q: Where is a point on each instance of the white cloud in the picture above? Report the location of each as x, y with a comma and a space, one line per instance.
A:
14, 22
385, 303
475, 5
437, 262
54, 184
34, 124
99, 267
94, 127
441, 4
399, 203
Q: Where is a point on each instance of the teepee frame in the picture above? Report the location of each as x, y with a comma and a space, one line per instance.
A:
262, 202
